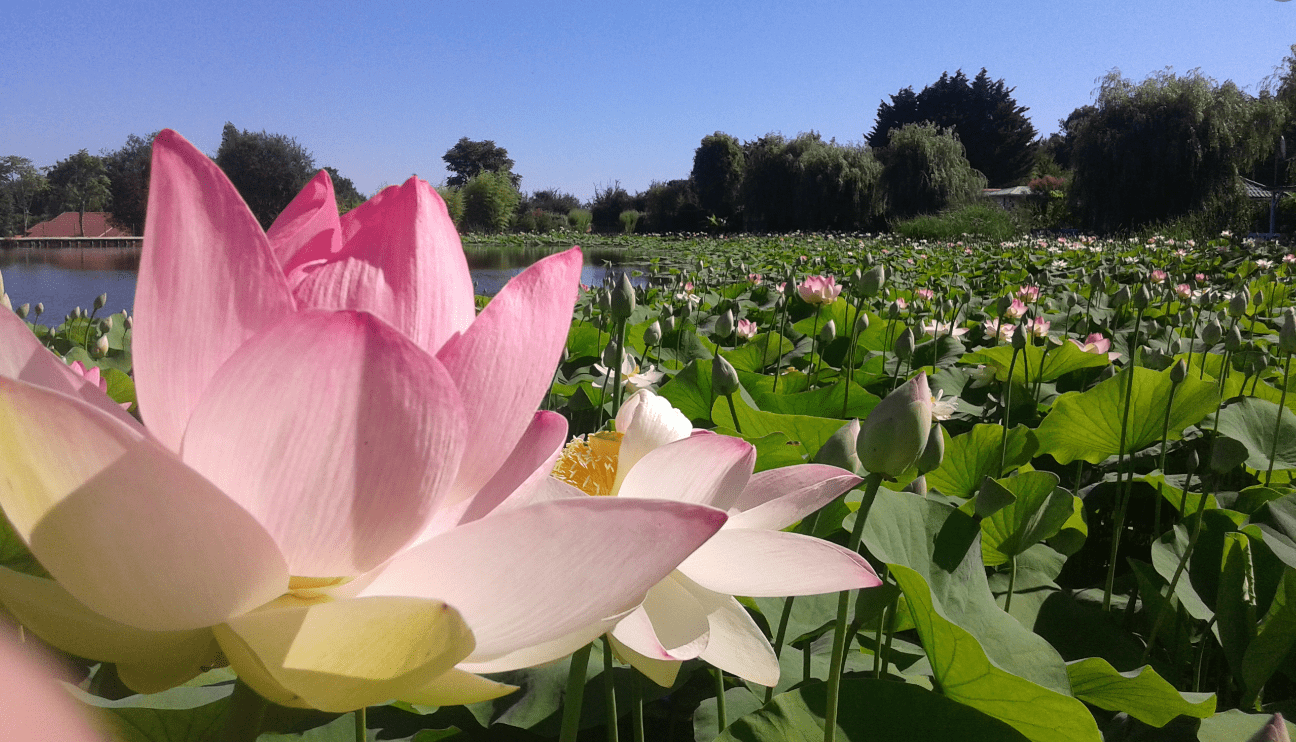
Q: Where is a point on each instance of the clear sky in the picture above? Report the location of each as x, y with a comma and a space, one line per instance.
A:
582, 94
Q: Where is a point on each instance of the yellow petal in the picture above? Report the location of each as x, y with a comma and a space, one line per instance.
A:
456, 687
343, 655
147, 661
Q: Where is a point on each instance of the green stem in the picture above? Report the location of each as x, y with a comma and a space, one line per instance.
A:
734, 412
778, 365
609, 693
1165, 437
871, 484
814, 343
361, 725
1122, 492
246, 710
1012, 584
1282, 400
722, 719
1174, 581
618, 389
575, 694
779, 636
1003, 443
636, 706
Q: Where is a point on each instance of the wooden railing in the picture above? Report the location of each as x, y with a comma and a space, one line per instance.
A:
55, 242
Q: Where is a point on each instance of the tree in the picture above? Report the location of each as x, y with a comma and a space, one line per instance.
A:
1164, 148
22, 184
128, 176
469, 158
81, 182
489, 200
994, 130
267, 169
924, 171
718, 165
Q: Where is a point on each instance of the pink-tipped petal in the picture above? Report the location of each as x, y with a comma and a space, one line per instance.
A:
776, 498
740, 561
705, 469
535, 574
647, 423
207, 282
670, 624
337, 433
504, 362
661, 672
400, 259
119, 521
309, 229
543, 653
32, 703
23, 357
532, 459
738, 646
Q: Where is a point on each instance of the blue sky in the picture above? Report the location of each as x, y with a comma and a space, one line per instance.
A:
582, 94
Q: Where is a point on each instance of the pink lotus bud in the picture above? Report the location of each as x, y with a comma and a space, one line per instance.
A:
895, 433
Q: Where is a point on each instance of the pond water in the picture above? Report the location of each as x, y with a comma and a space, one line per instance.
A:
65, 278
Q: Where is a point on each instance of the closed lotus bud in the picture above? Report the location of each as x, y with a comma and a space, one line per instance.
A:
724, 325
934, 452
610, 354
77, 312
724, 379
1238, 303
1120, 298
828, 332
789, 287
129, 322
604, 301
623, 298
1258, 298
1287, 333
653, 334
100, 301
40, 308
1233, 339
1193, 461
1274, 730
1142, 297
23, 311
872, 282
893, 309
1003, 305
861, 323
668, 323
1179, 371
1096, 280
101, 346
105, 324
894, 434
1186, 317
904, 345
1212, 332
839, 449
1021, 337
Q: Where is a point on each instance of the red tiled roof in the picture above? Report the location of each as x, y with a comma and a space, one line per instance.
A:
68, 224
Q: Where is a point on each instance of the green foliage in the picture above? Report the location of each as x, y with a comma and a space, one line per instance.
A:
489, 200
267, 169
1163, 148
580, 219
924, 171
454, 201
81, 182
718, 167
608, 205
128, 176
993, 129
344, 191
673, 207
809, 184
629, 218
469, 158
22, 185
981, 220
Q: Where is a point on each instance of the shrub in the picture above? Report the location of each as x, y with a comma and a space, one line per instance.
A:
580, 219
454, 202
607, 207
980, 220
489, 201
924, 171
629, 219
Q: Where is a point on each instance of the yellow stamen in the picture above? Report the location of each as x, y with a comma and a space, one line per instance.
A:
590, 463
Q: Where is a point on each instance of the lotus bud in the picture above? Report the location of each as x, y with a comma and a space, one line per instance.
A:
893, 309
861, 323
1258, 298
1238, 303
1003, 305
857, 278
828, 333
105, 324
100, 301
1212, 332
724, 325
904, 345
1120, 298
604, 301
129, 322
1142, 297
1186, 317
623, 298
1021, 337
5, 302
1192, 461
1233, 339
895, 433
839, 449
1096, 281
1287, 333
101, 346
789, 287
724, 379
872, 281
668, 323
653, 334
610, 354
77, 312
934, 452
1056, 342
1274, 730
23, 311
1179, 372
40, 308
918, 486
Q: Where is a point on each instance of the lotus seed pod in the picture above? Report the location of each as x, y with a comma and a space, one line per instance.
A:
1120, 298
934, 452
100, 301
895, 432
623, 298
40, 308
23, 311
1238, 303
1233, 339
828, 333
1179, 372
839, 449
724, 325
872, 281
724, 379
101, 346
1142, 297
1212, 332
904, 345
1287, 333
653, 334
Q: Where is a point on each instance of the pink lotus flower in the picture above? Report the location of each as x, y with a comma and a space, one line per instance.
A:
746, 329
754, 279
1028, 293
943, 328
33, 705
1040, 327
1158, 276
332, 435
1185, 292
819, 290
656, 455
924, 294
1015, 310
1096, 343
1003, 331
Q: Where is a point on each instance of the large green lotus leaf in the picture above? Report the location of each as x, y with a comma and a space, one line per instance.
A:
1057, 362
739, 702
942, 353
690, 391
973, 456
869, 711
1141, 693
1071, 536
880, 335
790, 381
1274, 639
808, 433
1235, 725
1233, 384
1171, 488
184, 714
840, 312
586, 340
963, 672
772, 451
1235, 606
940, 544
759, 352
1255, 424
1039, 510
820, 402
1088, 425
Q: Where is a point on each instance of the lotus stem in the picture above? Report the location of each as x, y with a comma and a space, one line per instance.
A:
1282, 401
1003, 443
722, 720
733, 411
361, 725
1179, 570
609, 692
779, 636
778, 365
1012, 584
636, 706
246, 710
1165, 436
1122, 497
871, 484
575, 694
618, 389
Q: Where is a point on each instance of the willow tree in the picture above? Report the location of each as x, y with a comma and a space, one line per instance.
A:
925, 170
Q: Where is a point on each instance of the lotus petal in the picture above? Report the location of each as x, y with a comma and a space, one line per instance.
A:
736, 645
776, 498
741, 561
456, 687
670, 624
705, 469
532, 460
35, 706
661, 672
309, 229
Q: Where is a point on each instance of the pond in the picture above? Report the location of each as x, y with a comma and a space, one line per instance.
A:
65, 278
